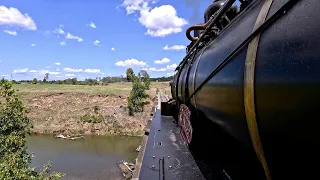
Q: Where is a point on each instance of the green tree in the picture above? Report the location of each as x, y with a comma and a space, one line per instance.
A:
74, 81
130, 74
14, 125
145, 78
137, 95
34, 81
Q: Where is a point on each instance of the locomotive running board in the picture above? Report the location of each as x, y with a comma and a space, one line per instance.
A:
166, 156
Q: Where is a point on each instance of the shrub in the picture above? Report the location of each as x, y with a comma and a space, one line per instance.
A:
34, 81
14, 125
92, 118
137, 95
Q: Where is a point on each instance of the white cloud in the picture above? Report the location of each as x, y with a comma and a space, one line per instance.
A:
162, 61
70, 75
170, 74
113, 49
174, 47
33, 45
63, 43
162, 21
159, 21
58, 69
92, 25
135, 5
167, 68
72, 70
92, 71
59, 30
54, 73
33, 71
59, 76
43, 72
47, 67
131, 63
171, 67
19, 71
157, 70
96, 42
13, 17
13, 33
70, 36
57, 63
4, 75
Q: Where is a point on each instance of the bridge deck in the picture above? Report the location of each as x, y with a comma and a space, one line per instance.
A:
164, 141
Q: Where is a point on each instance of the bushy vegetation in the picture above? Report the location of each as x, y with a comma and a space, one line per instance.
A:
34, 81
136, 100
14, 126
130, 74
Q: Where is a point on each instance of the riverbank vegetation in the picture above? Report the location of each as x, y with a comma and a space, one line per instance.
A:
14, 126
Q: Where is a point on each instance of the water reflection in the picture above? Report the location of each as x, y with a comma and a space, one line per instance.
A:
92, 157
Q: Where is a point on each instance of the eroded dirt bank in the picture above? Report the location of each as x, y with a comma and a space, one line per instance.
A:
81, 113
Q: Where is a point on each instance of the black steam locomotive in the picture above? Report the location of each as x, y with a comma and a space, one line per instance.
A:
246, 96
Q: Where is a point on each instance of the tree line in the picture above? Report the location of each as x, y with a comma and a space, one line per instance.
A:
88, 81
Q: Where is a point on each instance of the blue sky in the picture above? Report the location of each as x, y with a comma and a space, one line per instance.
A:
94, 38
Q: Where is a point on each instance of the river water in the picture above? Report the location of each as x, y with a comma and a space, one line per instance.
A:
89, 158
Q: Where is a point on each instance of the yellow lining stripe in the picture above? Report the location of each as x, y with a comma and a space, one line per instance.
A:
249, 75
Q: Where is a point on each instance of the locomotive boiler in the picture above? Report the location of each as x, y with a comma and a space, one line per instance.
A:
253, 71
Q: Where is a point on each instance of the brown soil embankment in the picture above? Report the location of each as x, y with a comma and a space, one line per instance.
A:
85, 113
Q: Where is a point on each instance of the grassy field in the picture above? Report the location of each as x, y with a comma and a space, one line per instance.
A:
56, 108
122, 88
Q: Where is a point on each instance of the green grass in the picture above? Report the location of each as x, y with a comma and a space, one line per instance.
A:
114, 88
123, 88
29, 91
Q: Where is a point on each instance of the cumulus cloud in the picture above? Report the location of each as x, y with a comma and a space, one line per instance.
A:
162, 61
167, 68
113, 49
33, 45
135, 5
54, 73
162, 21
171, 67
70, 36
131, 63
63, 43
13, 33
95, 71
33, 71
92, 25
20, 71
47, 67
174, 47
96, 42
159, 21
57, 63
13, 17
72, 70
70, 75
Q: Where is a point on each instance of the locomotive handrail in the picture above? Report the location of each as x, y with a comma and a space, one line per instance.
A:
267, 23
220, 13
